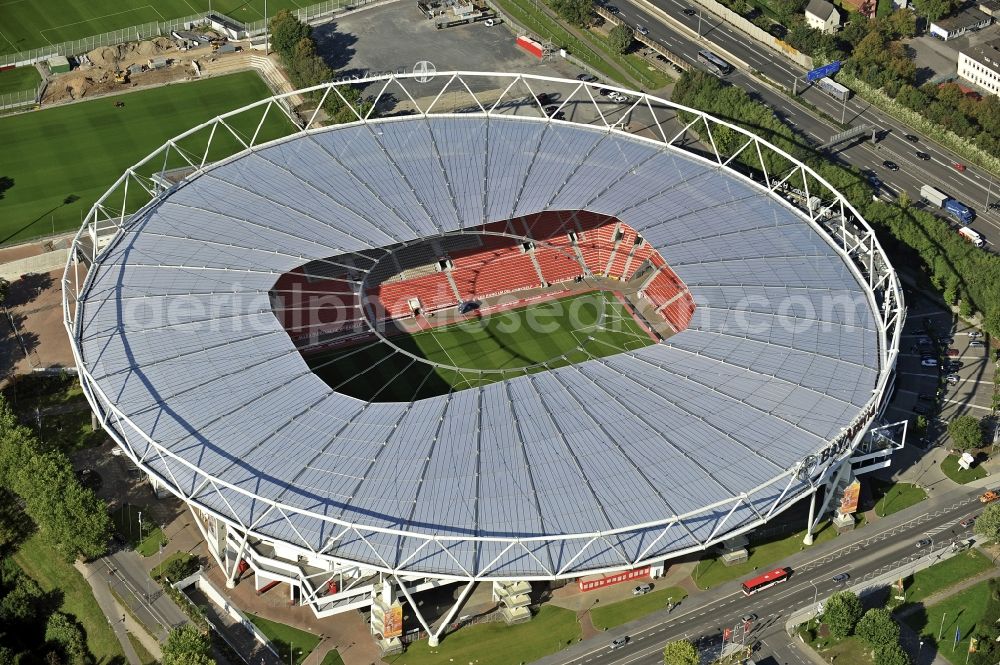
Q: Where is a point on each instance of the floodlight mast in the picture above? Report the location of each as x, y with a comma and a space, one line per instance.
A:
211, 496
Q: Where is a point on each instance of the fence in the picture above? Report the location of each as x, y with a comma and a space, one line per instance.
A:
131, 34
311, 13
11, 100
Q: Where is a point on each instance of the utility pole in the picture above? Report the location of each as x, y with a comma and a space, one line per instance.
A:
941, 630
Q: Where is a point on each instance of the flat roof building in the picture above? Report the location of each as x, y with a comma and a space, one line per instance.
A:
980, 65
957, 25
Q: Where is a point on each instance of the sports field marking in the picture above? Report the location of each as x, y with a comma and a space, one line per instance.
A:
97, 18
193, 8
7, 40
12, 2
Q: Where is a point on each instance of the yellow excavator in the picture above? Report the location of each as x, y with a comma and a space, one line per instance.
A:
121, 76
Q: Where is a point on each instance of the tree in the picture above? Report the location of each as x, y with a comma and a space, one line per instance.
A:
842, 612
4, 291
67, 634
187, 646
965, 432
576, 12
933, 9
988, 523
891, 654
877, 628
620, 38
680, 652
286, 31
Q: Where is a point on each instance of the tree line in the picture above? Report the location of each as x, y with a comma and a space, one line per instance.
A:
962, 272
292, 40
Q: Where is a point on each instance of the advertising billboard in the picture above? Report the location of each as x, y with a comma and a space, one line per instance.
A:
392, 623
849, 502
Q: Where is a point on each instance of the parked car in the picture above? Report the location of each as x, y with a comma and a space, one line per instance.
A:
586, 78
927, 397
953, 353
920, 409
604, 92
891, 165
952, 379
968, 521
642, 589
619, 642
928, 362
977, 344
618, 97
911, 138
955, 365
490, 22
923, 156
924, 542
840, 578
975, 334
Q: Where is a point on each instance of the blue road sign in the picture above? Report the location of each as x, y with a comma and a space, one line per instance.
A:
825, 70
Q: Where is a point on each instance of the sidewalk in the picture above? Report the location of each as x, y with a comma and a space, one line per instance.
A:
110, 608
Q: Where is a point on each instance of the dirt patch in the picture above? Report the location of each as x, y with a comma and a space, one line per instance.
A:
37, 338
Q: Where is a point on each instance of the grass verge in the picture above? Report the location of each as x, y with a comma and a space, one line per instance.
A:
145, 658
142, 536
551, 630
892, 497
712, 572
615, 614
942, 575
848, 650
19, 79
36, 559
958, 613
332, 657
286, 639
961, 476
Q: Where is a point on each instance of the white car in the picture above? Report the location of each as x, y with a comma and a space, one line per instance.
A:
619, 642
642, 590
642, 30
618, 97
490, 22
952, 378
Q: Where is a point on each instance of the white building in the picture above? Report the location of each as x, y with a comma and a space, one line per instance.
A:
980, 65
822, 15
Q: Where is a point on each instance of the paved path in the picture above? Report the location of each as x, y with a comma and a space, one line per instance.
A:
95, 577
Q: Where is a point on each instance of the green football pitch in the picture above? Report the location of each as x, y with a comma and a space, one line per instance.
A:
28, 24
57, 162
483, 350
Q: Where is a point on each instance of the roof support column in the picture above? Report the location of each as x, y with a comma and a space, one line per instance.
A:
808, 540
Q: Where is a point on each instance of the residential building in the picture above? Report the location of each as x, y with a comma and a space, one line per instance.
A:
980, 65
822, 15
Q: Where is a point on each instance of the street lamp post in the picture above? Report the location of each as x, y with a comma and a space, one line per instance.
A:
815, 591
919, 649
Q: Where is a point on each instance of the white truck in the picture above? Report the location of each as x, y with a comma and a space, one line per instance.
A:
971, 236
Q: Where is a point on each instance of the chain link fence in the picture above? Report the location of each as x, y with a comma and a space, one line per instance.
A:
75, 47
311, 13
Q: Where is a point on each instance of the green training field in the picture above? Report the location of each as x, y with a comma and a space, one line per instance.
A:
556, 333
27, 25
18, 79
60, 160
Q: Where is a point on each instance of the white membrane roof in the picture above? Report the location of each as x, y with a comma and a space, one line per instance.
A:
587, 463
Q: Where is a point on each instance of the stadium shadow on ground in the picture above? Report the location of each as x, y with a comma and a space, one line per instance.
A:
482, 349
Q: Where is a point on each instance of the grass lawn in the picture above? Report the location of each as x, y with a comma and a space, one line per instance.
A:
61, 160
942, 575
286, 638
588, 325
763, 557
961, 611
145, 657
848, 650
28, 25
892, 497
615, 614
552, 629
18, 79
158, 569
332, 657
127, 524
70, 431
36, 559
951, 469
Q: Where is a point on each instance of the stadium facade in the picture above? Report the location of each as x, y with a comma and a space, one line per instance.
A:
782, 318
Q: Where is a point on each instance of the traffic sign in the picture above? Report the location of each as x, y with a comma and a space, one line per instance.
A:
825, 70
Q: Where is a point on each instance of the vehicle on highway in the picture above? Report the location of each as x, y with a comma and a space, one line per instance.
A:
959, 166
747, 618
953, 207
922, 155
968, 521
642, 589
642, 30
891, 165
994, 206
717, 65
840, 578
972, 236
911, 138
989, 496
619, 642
689, 11
923, 542
612, 9
586, 78
839, 92
928, 362
761, 582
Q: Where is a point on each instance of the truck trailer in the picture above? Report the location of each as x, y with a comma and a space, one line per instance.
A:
953, 207
971, 236
839, 92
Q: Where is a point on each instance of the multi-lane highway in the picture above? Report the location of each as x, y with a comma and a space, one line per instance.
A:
872, 551
677, 31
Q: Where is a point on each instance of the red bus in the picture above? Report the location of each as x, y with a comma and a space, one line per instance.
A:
776, 576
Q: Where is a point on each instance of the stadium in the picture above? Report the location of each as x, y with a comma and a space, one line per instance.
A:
467, 338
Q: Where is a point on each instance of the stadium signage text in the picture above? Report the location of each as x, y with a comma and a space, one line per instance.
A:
832, 452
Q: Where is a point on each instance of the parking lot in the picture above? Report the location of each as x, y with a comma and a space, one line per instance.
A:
932, 331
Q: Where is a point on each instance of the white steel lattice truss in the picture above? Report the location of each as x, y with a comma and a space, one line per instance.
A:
709, 501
